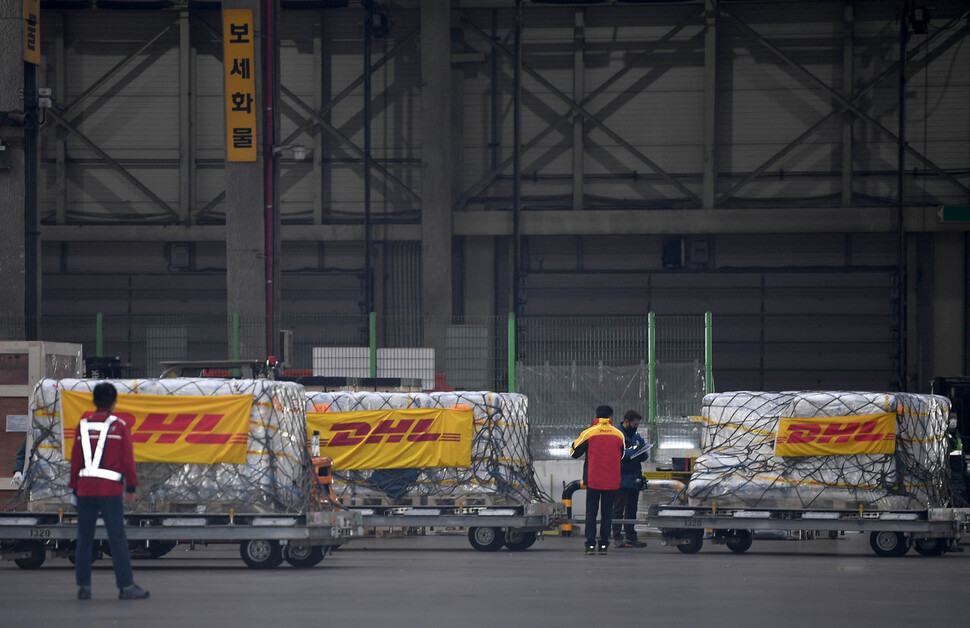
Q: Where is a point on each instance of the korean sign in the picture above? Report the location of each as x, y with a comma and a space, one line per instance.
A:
238, 60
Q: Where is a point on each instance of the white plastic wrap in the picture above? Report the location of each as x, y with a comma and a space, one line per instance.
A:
501, 468
738, 467
275, 478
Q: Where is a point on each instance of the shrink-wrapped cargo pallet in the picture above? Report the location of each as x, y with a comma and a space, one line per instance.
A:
500, 468
271, 472
753, 446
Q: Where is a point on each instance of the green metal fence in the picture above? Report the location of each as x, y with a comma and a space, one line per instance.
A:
657, 365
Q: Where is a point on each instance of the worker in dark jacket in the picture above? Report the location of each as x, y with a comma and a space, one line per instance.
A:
631, 478
602, 444
102, 468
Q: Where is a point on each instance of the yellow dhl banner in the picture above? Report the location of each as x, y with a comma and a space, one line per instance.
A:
180, 429
395, 439
239, 64
837, 436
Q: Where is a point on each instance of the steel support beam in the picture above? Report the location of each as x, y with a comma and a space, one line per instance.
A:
367, 113
845, 102
709, 176
839, 108
580, 109
346, 141
104, 78
579, 88
848, 81
186, 151
489, 178
517, 162
324, 109
59, 118
320, 87
551, 223
701, 222
60, 134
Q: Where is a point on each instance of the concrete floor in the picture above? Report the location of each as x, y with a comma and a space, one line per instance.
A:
441, 581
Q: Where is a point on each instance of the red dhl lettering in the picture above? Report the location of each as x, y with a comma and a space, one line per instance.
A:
167, 429
858, 431
353, 433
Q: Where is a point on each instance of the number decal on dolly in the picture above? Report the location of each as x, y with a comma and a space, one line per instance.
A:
692, 523
43, 533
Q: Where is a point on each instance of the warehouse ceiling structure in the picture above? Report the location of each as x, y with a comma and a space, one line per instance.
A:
799, 169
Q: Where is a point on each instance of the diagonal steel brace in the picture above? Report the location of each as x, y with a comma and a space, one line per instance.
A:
334, 101
886, 73
346, 140
845, 102
489, 178
113, 163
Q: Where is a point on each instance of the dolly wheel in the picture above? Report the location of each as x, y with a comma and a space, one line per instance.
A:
738, 541
930, 547
36, 558
486, 539
261, 553
695, 542
303, 555
888, 543
519, 541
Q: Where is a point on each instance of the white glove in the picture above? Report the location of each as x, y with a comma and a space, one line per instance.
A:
18, 477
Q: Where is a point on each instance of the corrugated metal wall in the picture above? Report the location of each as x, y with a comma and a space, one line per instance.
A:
817, 310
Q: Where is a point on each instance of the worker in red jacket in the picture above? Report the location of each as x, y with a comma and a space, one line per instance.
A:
602, 445
102, 466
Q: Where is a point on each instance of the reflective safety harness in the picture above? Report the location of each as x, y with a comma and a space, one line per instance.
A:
92, 464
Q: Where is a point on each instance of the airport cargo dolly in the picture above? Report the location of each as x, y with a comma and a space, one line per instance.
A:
265, 540
891, 533
489, 527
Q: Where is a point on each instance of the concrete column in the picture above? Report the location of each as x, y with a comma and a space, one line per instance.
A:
480, 276
709, 177
437, 174
245, 235
949, 326
12, 187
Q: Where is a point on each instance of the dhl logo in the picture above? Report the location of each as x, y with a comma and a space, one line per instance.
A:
856, 431
188, 429
352, 433
196, 429
834, 436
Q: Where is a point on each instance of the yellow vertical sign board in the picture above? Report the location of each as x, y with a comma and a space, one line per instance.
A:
32, 31
239, 64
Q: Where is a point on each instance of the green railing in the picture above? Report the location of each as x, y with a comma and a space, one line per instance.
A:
660, 366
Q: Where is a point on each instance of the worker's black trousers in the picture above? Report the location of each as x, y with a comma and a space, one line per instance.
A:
602, 501
625, 507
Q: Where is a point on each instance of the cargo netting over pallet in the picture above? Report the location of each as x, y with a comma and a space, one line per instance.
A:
739, 466
275, 477
501, 469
